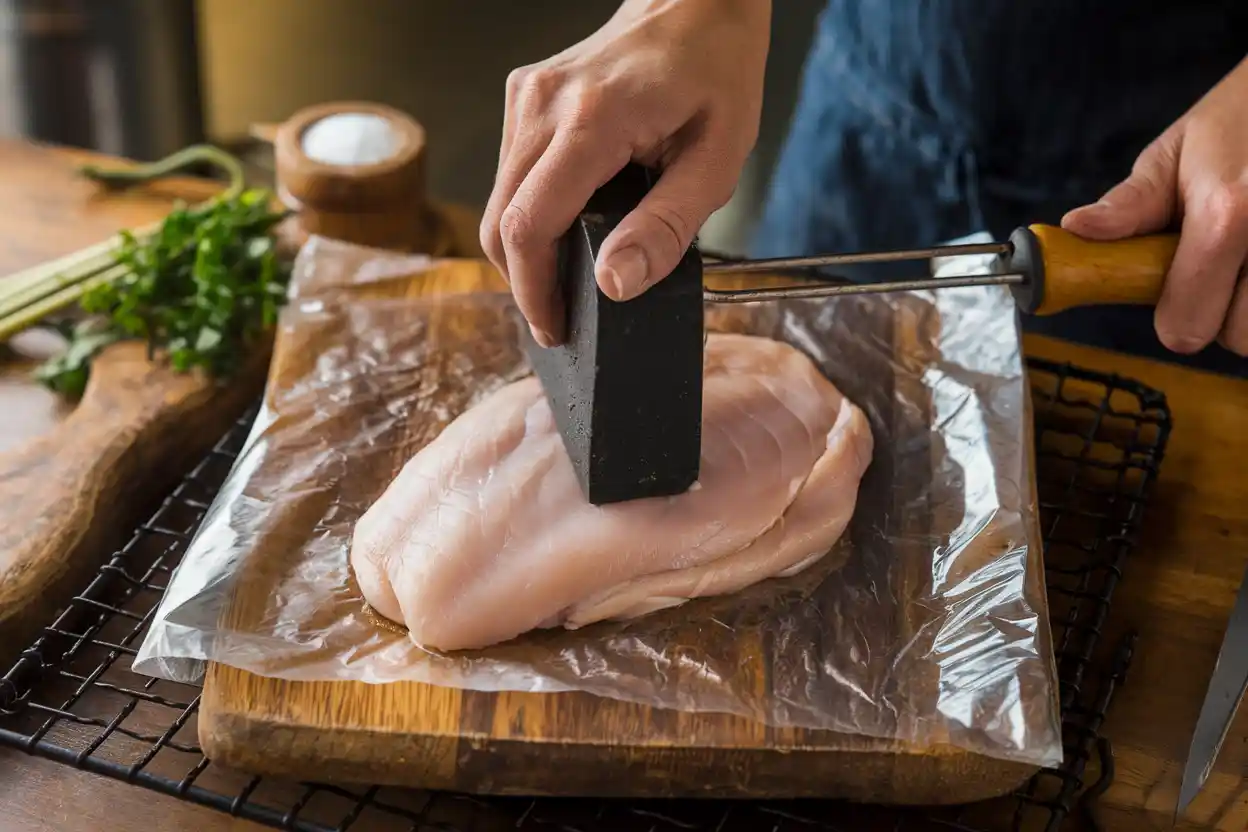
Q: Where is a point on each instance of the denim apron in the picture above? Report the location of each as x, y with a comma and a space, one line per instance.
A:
921, 121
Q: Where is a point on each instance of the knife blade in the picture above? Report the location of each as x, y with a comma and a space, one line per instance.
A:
1226, 691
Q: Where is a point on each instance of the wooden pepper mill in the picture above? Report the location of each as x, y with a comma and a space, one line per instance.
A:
355, 171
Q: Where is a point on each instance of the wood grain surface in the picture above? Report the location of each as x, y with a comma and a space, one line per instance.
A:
39, 795
74, 480
48, 212
1177, 592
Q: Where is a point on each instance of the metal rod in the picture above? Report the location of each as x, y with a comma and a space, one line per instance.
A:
836, 289
774, 263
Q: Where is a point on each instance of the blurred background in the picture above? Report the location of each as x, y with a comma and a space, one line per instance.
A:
143, 78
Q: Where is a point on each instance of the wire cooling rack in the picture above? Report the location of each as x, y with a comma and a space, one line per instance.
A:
72, 697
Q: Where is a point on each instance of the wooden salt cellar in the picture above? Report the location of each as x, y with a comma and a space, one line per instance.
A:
355, 171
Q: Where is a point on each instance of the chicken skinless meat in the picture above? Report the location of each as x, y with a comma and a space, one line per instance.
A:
485, 534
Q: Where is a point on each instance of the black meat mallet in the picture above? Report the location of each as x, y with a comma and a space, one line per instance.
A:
625, 385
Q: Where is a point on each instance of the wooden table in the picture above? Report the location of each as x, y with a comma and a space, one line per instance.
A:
1177, 592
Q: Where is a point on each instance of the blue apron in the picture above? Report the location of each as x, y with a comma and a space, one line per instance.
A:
920, 121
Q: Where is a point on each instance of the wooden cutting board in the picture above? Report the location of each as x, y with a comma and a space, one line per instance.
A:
571, 743
76, 480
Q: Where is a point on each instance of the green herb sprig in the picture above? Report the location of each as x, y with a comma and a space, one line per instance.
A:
197, 291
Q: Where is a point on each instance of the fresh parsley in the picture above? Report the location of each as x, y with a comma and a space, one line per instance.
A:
197, 291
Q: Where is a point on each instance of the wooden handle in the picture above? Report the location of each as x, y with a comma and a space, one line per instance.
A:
69, 498
1074, 271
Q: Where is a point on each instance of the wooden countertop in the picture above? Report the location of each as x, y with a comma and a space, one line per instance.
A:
1177, 592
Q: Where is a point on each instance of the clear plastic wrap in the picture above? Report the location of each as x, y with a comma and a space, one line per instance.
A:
930, 626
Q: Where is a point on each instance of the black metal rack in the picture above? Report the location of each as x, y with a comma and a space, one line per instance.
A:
72, 697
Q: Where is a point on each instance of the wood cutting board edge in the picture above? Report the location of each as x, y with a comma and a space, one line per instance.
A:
476, 763
118, 454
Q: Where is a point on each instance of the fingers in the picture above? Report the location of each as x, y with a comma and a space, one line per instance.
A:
1143, 203
523, 156
524, 139
1235, 329
647, 244
1213, 246
543, 207
514, 88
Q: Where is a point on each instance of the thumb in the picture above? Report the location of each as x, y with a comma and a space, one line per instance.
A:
648, 243
1142, 203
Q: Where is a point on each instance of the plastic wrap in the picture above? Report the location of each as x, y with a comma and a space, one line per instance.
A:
930, 627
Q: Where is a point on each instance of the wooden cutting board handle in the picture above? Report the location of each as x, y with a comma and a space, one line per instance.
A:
137, 429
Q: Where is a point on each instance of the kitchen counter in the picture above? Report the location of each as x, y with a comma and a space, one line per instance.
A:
1177, 591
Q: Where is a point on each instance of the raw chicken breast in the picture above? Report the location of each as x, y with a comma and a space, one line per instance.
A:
485, 534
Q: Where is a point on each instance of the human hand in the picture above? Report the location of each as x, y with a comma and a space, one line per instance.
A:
675, 84
1196, 173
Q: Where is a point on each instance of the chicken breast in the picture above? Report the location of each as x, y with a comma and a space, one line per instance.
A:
485, 535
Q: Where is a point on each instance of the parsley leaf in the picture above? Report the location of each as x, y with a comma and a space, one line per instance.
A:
198, 291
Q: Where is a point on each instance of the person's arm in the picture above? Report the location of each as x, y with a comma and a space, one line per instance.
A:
672, 83
1194, 174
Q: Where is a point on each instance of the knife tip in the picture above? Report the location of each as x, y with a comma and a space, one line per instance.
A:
1187, 793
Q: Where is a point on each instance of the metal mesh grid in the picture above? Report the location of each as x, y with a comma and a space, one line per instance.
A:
72, 697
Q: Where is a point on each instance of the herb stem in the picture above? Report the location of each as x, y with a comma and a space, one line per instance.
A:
15, 304
33, 313
28, 296
196, 154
